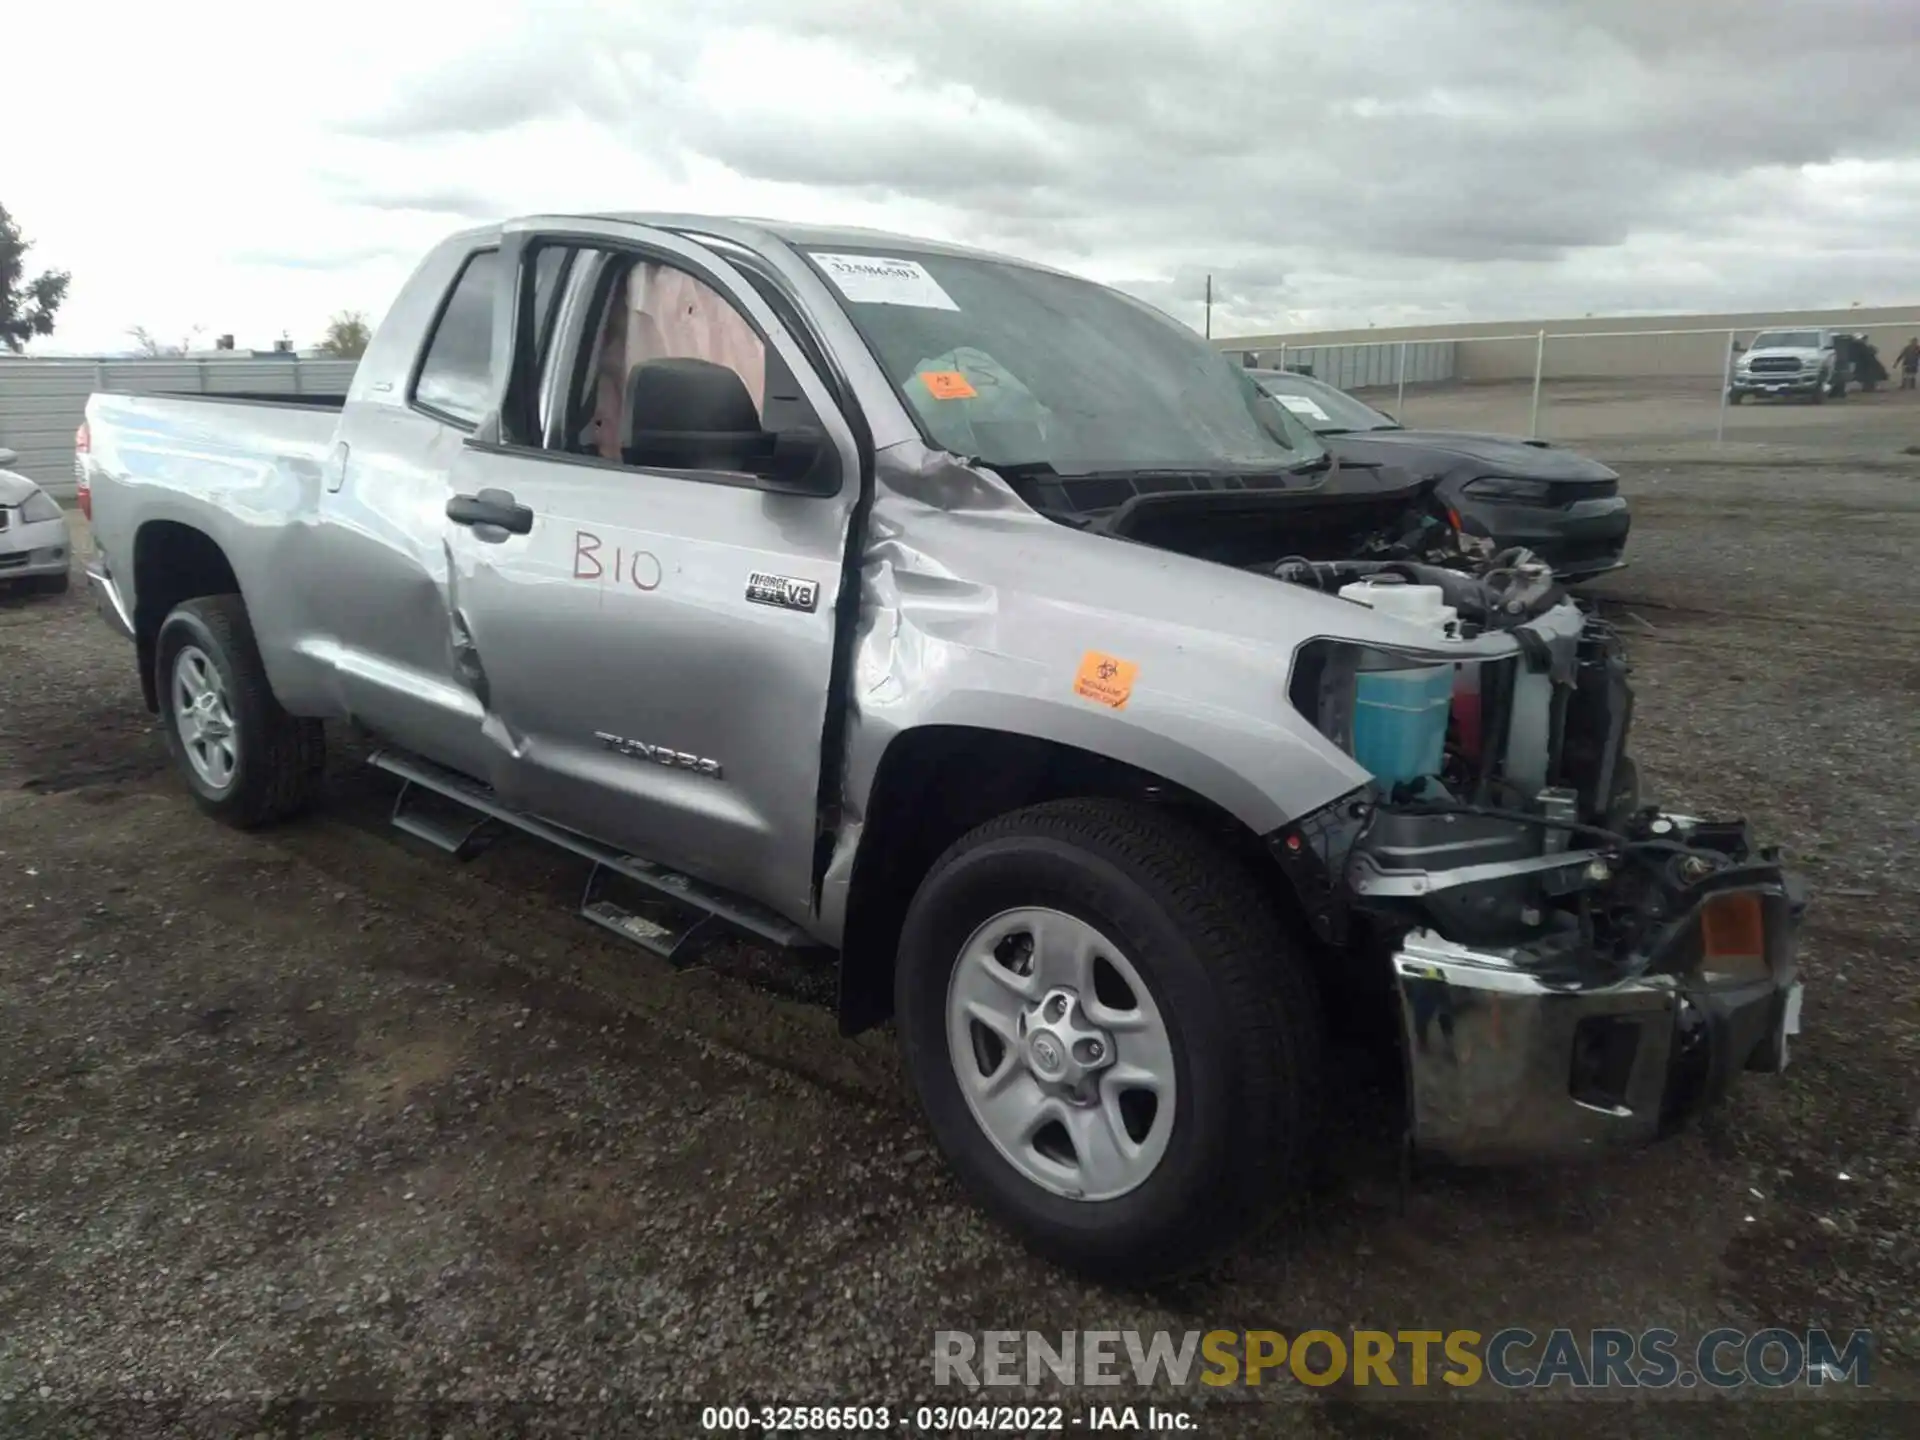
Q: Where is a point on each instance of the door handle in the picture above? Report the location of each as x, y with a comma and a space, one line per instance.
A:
495, 509
336, 468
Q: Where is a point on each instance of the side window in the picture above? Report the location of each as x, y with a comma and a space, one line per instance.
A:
456, 377
655, 312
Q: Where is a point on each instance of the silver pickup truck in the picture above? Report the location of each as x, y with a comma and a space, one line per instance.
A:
985, 631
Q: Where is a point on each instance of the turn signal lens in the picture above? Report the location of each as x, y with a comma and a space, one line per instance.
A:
1733, 933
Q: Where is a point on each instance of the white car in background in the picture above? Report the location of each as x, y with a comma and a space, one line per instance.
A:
34, 544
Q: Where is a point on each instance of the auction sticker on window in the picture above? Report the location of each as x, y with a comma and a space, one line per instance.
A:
947, 385
1302, 405
881, 280
1105, 678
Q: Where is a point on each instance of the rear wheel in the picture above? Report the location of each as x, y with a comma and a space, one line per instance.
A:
1113, 1037
246, 760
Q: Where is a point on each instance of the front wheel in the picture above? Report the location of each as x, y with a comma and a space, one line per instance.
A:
246, 760
1114, 1036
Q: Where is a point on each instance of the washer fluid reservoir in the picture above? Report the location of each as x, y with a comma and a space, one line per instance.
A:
1400, 716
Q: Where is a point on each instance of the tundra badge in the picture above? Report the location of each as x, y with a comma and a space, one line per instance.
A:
659, 754
784, 592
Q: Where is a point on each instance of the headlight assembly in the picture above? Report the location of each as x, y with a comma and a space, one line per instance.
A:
39, 506
1499, 487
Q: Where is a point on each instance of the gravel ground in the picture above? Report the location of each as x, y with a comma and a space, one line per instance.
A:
315, 1117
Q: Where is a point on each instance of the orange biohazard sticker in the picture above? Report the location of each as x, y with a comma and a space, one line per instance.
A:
1105, 678
947, 385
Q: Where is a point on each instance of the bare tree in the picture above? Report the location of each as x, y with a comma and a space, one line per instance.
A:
348, 335
154, 348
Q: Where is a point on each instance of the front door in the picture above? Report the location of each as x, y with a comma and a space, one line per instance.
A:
654, 655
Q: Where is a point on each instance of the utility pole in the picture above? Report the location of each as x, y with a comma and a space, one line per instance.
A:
1209, 307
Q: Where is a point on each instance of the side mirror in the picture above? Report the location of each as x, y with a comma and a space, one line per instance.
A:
697, 449
685, 414
8, 457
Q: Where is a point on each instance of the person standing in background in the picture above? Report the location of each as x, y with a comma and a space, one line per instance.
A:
1909, 362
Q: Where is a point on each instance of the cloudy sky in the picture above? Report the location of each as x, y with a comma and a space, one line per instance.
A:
252, 168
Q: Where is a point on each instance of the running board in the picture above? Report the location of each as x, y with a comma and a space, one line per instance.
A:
443, 823
672, 915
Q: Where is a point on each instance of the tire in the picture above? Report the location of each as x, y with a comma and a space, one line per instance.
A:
1819, 395
1734, 397
250, 762
1221, 972
55, 584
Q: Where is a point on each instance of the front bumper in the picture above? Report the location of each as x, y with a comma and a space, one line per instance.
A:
34, 549
1506, 1062
1579, 539
1798, 382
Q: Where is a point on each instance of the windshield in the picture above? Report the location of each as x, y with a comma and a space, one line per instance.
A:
1024, 368
1325, 410
1787, 340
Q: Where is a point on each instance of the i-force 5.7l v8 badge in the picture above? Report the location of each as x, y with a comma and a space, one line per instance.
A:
784, 592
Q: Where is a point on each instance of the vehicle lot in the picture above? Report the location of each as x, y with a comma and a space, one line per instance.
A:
1621, 418
317, 1112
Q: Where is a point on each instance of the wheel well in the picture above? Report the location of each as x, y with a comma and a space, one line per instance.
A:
935, 784
171, 563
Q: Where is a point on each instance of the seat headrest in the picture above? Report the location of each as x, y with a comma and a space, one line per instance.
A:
687, 396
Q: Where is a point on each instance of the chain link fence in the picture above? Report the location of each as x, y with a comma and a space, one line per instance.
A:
1549, 384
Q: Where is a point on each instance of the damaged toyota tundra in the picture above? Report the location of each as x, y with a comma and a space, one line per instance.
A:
984, 632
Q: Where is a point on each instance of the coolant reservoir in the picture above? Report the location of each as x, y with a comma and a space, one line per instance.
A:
1400, 716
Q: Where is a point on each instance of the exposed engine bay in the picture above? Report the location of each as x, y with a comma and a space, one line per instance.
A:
1521, 824
1574, 968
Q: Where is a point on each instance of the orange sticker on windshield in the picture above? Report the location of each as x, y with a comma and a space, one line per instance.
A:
947, 385
1105, 678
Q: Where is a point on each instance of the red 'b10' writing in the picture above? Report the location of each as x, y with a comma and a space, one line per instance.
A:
638, 568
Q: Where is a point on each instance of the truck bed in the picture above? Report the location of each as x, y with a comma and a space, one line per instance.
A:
246, 471
202, 446
317, 401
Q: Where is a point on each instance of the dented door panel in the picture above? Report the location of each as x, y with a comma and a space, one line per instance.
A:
657, 652
634, 691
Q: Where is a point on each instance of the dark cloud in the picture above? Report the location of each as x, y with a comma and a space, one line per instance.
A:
1512, 154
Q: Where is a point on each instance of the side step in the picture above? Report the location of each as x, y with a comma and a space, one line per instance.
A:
672, 915
445, 824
